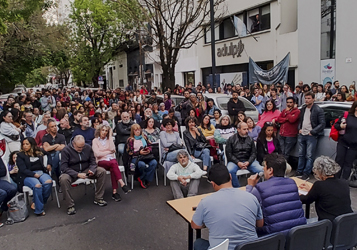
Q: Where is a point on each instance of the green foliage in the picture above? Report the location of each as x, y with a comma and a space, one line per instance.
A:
99, 31
36, 77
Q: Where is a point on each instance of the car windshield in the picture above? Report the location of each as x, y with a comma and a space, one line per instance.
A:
223, 102
332, 113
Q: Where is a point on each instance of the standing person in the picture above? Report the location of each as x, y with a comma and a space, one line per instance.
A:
78, 161
267, 143
34, 174
185, 105
241, 153
287, 93
184, 176
336, 89
234, 106
311, 125
257, 100
270, 114
347, 141
320, 95
167, 101
211, 108
289, 121
228, 213
48, 102
275, 98
104, 152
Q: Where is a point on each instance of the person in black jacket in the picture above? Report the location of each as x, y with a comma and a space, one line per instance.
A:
241, 153
7, 190
33, 173
122, 129
194, 141
267, 143
347, 141
311, 125
234, 106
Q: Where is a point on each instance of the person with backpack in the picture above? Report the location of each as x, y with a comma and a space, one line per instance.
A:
347, 141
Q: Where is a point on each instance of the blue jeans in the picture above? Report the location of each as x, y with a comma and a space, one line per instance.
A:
254, 168
56, 164
204, 155
40, 194
146, 173
121, 148
307, 147
201, 244
7, 192
287, 145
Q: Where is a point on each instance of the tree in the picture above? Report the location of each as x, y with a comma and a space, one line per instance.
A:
173, 25
98, 31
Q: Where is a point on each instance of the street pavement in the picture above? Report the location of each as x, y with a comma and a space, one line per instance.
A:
142, 220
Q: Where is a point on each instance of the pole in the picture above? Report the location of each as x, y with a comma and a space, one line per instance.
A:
332, 27
213, 46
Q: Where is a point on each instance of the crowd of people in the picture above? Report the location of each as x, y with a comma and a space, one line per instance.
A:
83, 133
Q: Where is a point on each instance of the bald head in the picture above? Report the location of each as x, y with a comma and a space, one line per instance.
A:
78, 143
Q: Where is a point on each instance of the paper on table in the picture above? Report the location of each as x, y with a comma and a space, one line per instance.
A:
302, 192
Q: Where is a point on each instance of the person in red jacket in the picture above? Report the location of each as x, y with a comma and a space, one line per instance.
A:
289, 121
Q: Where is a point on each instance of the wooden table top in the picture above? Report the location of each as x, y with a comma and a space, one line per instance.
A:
184, 206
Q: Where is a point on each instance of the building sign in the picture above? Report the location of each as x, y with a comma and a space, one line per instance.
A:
327, 71
231, 50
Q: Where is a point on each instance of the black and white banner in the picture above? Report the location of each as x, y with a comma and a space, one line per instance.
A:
279, 73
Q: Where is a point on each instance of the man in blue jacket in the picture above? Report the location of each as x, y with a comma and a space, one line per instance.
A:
278, 197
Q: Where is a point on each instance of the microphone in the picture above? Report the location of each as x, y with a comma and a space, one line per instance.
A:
261, 174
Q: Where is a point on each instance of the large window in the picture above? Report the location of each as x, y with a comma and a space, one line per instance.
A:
241, 24
328, 30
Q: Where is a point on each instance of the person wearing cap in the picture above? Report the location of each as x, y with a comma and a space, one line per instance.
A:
331, 194
228, 213
278, 197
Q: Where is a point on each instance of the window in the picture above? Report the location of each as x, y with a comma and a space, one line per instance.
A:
250, 21
121, 83
332, 113
328, 29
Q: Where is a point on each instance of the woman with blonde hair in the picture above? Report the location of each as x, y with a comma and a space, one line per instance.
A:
104, 152
140, 153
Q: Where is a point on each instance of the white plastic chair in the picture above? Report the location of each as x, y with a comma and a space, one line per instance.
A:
223, 246
166, 165
240, 172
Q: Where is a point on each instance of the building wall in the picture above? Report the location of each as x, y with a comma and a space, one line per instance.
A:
119, 68
346, 35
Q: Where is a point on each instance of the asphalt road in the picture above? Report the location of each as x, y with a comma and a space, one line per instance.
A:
142, 220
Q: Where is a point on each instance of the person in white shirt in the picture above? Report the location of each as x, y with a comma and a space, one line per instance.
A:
184, 176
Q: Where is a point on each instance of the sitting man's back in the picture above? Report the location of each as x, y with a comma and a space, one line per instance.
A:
229, 213
278, 196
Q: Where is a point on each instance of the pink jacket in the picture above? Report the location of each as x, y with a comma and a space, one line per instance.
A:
100, 151
268, 117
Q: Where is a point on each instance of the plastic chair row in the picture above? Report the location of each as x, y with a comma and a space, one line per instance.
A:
341, 234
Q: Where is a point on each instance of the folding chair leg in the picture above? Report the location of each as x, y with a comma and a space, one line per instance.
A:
132, 181
58, 204
157, 177
164, 177
125, 180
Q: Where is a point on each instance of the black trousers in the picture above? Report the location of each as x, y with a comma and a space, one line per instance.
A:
345, 157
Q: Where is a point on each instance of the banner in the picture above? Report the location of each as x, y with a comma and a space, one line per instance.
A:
279, 73
327, 71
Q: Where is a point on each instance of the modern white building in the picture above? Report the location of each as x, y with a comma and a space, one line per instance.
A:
320, 43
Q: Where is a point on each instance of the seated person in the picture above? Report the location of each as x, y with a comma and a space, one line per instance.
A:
10, 131
184, 176
169, 138
74, 119
53, 143
66, 130
7, 190
278, 197
78, 161
123, 129
162, 110
194, 139
207, 128
85, 130
224, 130
174, 128
33, 174
217, 116
148, 114
137, 146
331, 194
267, 143
241, 153
104, 151
228, 213
253, 129
12, 167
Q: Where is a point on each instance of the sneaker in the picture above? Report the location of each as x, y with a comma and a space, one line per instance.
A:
304, 177
132, 167
1, 224
116, 197
71, 211
142, 183
100, 202
298, 174
60, 190
125, 189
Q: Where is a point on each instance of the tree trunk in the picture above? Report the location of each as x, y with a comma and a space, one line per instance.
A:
168, 77
95, 81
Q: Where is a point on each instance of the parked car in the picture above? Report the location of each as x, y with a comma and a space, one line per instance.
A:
17, 90
325, 145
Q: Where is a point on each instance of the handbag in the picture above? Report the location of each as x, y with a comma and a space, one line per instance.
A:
202, 145
334, 133
146, 158
13, 137
175, 146
17, 210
